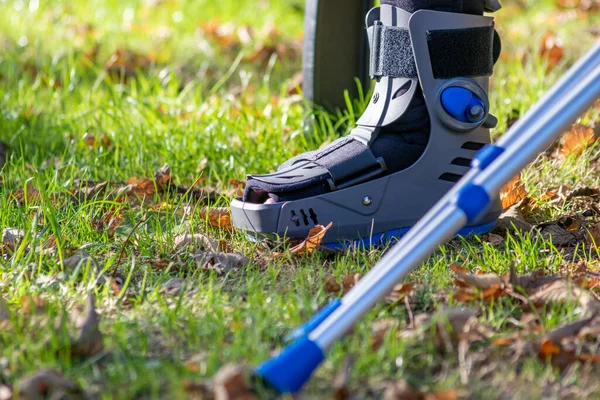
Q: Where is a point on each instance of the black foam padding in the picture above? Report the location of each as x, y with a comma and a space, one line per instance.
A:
461, 52
497, 46
459, 6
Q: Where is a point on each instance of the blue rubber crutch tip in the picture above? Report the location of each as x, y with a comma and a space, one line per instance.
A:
291, 369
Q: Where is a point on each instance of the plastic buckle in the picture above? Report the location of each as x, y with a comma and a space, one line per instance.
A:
355, 180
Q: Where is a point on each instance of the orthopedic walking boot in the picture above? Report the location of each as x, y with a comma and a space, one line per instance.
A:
427, 118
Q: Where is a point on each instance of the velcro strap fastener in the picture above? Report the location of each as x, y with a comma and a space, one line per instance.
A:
453, 52
461, 52
391, 52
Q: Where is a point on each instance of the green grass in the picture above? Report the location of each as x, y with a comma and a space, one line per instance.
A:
209, 112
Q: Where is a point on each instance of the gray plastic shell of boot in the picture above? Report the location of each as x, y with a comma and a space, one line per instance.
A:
398, 200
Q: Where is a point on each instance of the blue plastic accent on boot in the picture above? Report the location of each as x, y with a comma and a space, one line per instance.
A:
289, 371
310, 325
486, 156
382, 239
457, 101
473, 200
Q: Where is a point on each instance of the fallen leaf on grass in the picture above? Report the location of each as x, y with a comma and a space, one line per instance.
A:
93, 143
124, 63
173, 287
563, 291
551, 49
218, 217
493, 239
332, 286
559, 236
581, 274
83, 258
577, 139
87, 193
197, 241
513, 192
458, 324
313, 241
399, 292
295, 84
342, 380
482, 286
401, 390
379, 330
232, 383
162, 176
512, 219
594, 236
559, 348
220, 262
48, 384
26, 194
529, 281
88, 341
12, 237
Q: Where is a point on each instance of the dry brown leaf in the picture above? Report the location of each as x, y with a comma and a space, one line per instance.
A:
582, 275
313, 241
140, 187
232, 383
552, 346
529, 281
87, 193
594, 236
342, 380
513, 192
562, 291
458, 324
559, 236
124, 63
220, 262
350, 281
330, 285
218, 217
12, 237
401, 390
295, 84
551, 49
399, 292
478, 287
83, 258
163, 176
493, 239
196, 241
88, 342
26, 194
577, 139
379, 330
173, 287
48, 384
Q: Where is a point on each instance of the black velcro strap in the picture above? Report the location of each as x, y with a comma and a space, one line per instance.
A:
391, 52
461, 52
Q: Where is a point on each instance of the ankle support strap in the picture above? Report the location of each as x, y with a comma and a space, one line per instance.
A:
454, 52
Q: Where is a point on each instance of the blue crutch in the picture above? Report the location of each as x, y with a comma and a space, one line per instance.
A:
491, 169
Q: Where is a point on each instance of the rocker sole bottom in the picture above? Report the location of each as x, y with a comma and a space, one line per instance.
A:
381, 239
